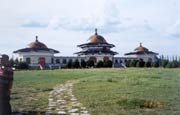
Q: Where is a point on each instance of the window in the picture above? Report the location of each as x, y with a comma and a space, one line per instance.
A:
70, 60
121, 61
106, 59
52, 60
42, 61
64, 61
57, 61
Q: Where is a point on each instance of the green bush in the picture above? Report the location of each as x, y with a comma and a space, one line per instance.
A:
155, 64
172, 64
148, 64
131, 103
108, 63
69, 64
100, 64
127, 63
175, 64
164, 62
90, 63
133, 63
169, 65
76, 64
83, 64
140, 63
22, 65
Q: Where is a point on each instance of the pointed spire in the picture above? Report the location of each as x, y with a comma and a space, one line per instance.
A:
36, 38
96, 31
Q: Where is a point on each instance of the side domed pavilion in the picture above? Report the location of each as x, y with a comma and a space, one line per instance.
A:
97, 49
36, 54
143, 53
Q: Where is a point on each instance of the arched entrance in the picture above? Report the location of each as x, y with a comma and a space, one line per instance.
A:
28, 60
42, 61
93, 59
106, 58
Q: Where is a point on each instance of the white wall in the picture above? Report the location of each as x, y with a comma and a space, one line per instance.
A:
144, 57
34, 56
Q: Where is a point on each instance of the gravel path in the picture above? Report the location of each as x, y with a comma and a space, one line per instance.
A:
63, 102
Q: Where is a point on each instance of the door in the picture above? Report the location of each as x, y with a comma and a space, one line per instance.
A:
42, 61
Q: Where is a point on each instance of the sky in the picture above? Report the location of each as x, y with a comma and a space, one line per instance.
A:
64, 24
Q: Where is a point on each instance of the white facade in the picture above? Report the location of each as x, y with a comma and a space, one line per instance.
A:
97, 49
99, 57
143, 53
145, 57
34, 57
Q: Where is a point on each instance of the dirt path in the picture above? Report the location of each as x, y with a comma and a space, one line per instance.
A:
63, 102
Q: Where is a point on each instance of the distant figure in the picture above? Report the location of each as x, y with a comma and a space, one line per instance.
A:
6, 80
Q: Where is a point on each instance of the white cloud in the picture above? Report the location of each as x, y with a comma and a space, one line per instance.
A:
63, 24
106, 17
174, 30
34, 24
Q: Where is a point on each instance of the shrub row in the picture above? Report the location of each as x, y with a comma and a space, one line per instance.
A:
161, 63
88, 64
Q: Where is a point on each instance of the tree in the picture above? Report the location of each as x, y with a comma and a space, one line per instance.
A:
148, 64
127, 63
169, 65
22, 65
155, 64
90, 63
16, 61
174, 64
100, 64
140, 63
108, 63
76, 64
69, 64
83, 64
164, 62
12, 62
133, 63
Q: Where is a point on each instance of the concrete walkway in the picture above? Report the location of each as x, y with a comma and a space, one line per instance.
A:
63, 102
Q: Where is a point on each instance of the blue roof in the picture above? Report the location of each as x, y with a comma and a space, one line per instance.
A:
141, 53
96, 44
96, 52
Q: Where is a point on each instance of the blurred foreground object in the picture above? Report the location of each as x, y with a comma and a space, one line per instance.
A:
6, 81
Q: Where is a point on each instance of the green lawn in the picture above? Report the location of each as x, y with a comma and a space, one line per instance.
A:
103, 91
31, 88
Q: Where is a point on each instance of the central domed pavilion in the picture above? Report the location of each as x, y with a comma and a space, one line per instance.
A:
97, 49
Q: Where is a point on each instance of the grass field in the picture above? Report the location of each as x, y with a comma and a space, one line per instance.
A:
103, 91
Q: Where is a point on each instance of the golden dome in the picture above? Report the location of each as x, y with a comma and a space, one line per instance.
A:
141, 48
37, 44
96, 38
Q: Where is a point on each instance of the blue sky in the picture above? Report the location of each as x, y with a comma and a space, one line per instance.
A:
64, 24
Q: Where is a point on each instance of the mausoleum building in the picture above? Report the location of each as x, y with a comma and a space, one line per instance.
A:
143, 53
97, 49
38, 55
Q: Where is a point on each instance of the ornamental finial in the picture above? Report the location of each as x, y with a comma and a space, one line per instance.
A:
140, 44
96, 31
36, 38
